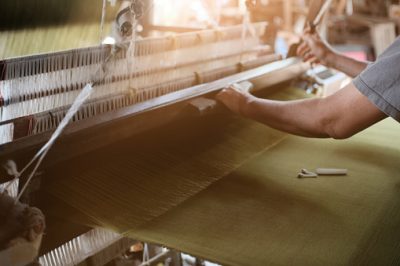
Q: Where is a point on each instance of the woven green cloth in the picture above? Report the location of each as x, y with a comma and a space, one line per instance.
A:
48, 39
263, 215
132, 182
230, 194
43, 26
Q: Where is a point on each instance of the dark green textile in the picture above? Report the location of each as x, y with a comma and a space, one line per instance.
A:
137, 180
263, 215
235, 198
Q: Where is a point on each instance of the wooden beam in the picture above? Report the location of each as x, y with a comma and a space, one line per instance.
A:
177, 29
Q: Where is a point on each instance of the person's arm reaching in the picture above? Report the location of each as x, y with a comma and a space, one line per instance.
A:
315, 50
338, 116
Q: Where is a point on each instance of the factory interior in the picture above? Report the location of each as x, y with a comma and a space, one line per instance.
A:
199, 132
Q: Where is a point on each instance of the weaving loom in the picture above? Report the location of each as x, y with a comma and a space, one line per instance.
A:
150, 155
135, 86
130, 82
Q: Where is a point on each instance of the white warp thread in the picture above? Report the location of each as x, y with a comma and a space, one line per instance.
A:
102, 21
79, 101
247, 26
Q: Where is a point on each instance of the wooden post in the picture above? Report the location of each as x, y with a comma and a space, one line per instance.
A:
288, 14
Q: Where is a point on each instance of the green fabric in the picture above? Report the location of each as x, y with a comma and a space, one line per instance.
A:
42, 26
263, 215
180, 194
54, 38
126, 185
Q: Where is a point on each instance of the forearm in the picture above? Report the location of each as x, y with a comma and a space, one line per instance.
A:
300, 118
338, 116
345, 64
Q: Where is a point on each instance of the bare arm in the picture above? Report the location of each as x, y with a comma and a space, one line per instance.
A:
315, 50
338, 116
347, 65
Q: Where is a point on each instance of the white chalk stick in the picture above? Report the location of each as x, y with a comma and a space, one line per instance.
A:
331, 171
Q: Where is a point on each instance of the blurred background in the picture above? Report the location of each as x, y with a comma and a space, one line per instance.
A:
360, 28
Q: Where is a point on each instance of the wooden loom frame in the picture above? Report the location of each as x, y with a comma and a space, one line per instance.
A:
93, 133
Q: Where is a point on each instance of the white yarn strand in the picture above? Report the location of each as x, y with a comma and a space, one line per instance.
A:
103, 18
79, 101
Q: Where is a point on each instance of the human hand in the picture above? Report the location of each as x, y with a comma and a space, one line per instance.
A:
235, 99
315, 50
